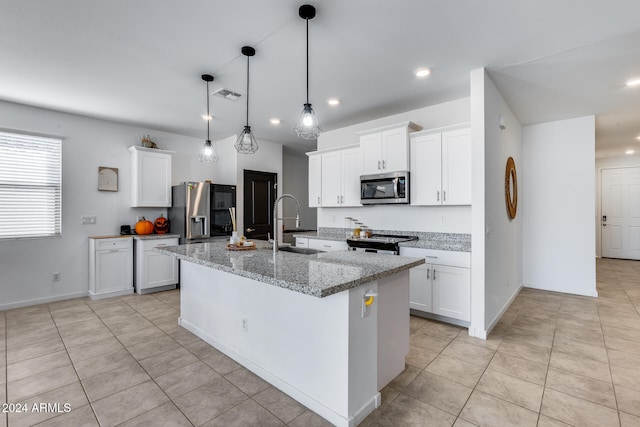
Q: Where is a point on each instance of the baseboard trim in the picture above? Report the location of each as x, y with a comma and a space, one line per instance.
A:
505, 307
27, 303
586, 293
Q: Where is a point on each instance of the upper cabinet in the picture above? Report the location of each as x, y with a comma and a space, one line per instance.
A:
441, 167
334, 178
386, 149
151, 177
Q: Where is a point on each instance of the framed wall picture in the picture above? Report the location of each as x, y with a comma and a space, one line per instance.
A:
107, 179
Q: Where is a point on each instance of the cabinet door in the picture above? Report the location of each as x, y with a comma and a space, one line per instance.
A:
371, 153
301, 242
151, 179
331, 180
350, 177
420, 288
395, 153
159, 270
452, 292
315, 181
425, 181
456, 167
114, 270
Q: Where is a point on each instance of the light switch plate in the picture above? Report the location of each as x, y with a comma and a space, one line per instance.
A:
88, 219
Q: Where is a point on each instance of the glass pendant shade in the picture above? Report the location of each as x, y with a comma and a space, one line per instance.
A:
307, 125
208, 153
246, 143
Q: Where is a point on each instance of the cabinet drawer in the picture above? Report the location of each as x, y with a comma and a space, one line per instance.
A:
301, 242
434, 256
105, 244
148, 245
328, 245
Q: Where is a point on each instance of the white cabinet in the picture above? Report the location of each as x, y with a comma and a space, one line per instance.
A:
334, 178
341, 178
110, 266
302, 242
154, 271
315, 180
386, 149
442, 286
441, 167
151, 177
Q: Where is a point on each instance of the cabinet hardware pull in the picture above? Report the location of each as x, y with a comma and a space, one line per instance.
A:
341, 199
437, 196
326, 246
318, 199
378, 164
113, 250
428, 271
384, 164
431, 256
444, 195
337, 199
434, 274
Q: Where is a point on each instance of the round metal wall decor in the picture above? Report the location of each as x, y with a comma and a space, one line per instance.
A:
511, 188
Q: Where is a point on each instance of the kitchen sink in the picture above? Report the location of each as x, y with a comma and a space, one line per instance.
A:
297, 250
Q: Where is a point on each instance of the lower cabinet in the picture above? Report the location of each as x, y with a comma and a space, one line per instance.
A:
155, 271
442, 286
110, 266
323, 245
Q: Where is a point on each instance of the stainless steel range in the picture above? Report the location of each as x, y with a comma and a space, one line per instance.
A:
379, 243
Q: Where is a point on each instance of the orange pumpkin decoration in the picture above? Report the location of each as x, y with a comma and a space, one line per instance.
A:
161, 225
144, 226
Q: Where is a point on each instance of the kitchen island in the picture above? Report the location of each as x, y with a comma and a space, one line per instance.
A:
300, 321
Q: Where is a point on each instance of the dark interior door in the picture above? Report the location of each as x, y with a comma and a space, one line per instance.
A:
259, 195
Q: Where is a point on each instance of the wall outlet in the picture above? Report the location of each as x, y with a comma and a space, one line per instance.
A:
88, 219
55, 277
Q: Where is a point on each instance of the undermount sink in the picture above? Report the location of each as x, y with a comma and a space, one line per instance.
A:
297, 250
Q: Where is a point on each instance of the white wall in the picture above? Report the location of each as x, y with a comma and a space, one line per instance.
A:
558, 200
607, 163
26, 265
496, 239
445, 219
295, 181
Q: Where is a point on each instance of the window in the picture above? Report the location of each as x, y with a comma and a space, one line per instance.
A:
30, 186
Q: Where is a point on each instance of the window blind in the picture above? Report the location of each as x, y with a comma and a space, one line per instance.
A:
30, 186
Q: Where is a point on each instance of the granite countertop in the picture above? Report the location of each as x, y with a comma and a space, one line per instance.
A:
155, 236
319, 275
441, 241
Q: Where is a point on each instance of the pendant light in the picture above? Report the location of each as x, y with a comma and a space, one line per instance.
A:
307, 126
208, 153
246, 143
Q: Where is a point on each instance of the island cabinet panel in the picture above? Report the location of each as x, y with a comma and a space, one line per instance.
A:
327, 353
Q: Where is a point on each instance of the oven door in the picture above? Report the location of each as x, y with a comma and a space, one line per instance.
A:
373, 251
391, 188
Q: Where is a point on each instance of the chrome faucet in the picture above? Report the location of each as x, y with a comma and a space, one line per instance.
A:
275, 218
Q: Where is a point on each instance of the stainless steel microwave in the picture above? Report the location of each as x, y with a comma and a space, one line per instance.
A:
384, 188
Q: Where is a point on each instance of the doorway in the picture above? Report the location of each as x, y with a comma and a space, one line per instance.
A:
620, 221
259, 196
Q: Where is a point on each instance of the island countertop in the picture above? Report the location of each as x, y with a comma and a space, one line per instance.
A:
319, 275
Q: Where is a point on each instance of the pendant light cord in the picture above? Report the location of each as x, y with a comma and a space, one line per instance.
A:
307, 59
248, 90
208, 115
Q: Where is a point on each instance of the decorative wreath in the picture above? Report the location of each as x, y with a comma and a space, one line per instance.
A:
511, 179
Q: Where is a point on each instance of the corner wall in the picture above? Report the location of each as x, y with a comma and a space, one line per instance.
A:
295, 181
496, 257
558, 196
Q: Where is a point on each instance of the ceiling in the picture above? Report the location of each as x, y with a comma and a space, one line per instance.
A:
139, 62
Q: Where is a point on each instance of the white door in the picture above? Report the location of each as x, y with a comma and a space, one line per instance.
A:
452, 291
456, 167
426, 167
394, 150
371, 153
315, 181
351, 177
331, 185
621, 213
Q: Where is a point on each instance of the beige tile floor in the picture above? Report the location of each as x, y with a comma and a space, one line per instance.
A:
553, 360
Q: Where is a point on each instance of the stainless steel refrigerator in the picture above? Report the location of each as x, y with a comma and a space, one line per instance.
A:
190, 215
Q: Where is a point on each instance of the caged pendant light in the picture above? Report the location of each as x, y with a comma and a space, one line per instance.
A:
208, 153
246, 143
307, 125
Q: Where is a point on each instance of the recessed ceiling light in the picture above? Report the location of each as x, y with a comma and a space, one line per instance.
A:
629, 152
333, 101
638, 137
209, 117
275, 121
633, 82
423, 72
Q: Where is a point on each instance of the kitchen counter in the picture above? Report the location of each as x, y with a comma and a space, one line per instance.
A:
318, 275
456, 242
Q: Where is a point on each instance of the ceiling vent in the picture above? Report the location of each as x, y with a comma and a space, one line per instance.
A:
226, 94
